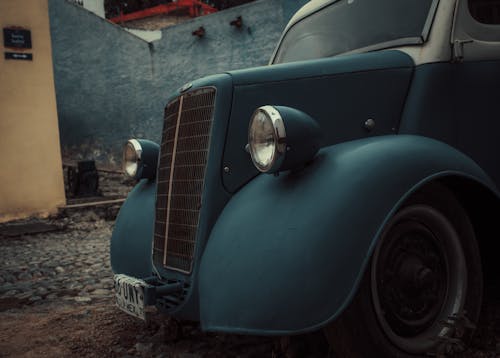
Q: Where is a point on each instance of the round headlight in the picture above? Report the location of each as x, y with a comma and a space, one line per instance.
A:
267, 139
132, 153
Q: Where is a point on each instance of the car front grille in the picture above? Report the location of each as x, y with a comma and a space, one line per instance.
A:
181, 173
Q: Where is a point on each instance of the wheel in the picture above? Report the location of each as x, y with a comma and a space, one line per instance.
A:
422, 291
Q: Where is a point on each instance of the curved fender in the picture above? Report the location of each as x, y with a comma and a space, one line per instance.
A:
131, 242
287, 253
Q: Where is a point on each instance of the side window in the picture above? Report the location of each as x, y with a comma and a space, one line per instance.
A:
476, 30
485, 11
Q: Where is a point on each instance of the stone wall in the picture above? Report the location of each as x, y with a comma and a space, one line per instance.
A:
112, 85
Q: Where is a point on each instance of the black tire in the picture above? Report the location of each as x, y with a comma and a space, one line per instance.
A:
422, 291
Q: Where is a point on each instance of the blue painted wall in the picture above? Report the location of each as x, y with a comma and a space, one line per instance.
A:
111, 85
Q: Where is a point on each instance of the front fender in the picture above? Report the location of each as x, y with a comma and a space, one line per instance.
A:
287, 253
131, 241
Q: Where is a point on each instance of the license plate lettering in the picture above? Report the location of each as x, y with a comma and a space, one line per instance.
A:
129, 293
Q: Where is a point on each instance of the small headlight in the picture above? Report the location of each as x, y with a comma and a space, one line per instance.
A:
266, 139
132, 153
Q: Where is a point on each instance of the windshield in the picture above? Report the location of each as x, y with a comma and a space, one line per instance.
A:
350, 25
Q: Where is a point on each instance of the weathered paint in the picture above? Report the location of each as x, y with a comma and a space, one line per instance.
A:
31, 178
102, 78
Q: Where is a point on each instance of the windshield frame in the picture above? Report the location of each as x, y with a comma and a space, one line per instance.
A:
406, 41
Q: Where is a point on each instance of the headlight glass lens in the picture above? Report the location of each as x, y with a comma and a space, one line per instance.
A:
131, 158
267, 139
262, 140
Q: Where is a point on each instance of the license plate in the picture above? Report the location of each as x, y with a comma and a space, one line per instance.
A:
129, 292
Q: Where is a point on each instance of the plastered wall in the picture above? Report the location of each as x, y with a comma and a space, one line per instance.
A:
31, 180
112, 85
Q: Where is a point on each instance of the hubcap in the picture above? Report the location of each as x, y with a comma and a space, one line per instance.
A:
412, 281
418, 278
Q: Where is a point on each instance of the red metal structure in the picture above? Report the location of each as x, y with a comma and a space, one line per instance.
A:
194, 7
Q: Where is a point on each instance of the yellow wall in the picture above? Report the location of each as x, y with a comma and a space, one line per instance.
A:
31, 179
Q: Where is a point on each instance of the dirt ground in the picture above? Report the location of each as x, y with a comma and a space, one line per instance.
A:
63, 330
102, 330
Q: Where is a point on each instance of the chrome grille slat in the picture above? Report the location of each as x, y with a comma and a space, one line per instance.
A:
181, 175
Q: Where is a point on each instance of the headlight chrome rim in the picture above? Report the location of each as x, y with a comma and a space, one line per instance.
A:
279, 140
131, 166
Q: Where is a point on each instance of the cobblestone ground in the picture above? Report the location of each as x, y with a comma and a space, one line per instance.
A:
69, 264
55, 266
56, 300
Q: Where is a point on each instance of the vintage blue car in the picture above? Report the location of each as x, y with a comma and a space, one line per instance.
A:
349, 186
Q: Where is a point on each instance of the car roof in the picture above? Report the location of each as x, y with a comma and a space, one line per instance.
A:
307, 9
